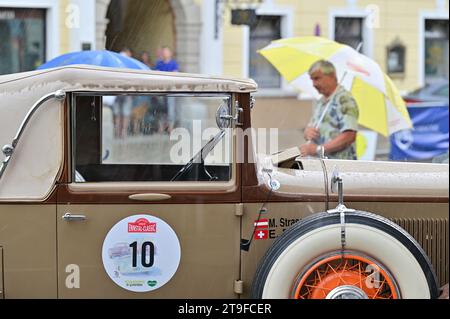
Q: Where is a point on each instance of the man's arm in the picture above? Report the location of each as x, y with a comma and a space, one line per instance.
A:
350, 114
339, 143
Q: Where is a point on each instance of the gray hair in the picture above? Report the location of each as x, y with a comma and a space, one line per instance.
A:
326, 67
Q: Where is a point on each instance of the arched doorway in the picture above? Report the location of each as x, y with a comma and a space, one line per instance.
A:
144, 25
140, 25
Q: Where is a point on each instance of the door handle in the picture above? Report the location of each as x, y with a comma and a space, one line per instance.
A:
71, 218
149, 197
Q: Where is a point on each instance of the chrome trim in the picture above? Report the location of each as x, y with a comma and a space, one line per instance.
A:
252, 102
347, 292
234, 119
341, 209
8, 149
70, 218
149, 197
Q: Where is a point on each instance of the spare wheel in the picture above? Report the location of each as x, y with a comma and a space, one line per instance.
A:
380, 260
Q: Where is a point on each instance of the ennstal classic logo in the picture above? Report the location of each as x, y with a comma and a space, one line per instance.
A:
142, 225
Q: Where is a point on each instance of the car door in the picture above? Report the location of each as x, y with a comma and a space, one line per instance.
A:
129, 226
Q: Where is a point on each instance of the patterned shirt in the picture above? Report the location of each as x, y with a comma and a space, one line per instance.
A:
342, 115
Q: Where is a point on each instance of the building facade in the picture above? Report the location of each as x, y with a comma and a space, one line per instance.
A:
408, 38
34, 31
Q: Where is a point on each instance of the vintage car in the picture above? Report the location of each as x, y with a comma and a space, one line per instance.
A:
162, 171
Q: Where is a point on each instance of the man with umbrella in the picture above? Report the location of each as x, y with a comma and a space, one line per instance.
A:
334, 124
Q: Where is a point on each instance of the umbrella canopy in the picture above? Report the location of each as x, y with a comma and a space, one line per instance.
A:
381, 108
100, 58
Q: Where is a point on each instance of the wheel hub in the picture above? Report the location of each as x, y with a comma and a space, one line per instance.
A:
348, 276
347, 292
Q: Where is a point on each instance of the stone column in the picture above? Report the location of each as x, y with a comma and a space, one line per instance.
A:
101, 7
188, 33
188, 46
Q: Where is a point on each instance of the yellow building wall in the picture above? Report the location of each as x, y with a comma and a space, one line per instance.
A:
232, 44
232, 47
397, 19
64, 31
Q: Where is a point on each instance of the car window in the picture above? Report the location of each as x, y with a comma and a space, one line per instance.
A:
420, 90
148, 137
442, 91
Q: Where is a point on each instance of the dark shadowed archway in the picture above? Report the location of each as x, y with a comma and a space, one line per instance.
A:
143, 26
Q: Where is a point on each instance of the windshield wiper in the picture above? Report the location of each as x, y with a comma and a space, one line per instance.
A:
200, 157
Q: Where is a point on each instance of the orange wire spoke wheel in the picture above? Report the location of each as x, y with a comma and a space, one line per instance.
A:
347, 276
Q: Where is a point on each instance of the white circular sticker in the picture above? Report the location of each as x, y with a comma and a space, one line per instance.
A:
141, 253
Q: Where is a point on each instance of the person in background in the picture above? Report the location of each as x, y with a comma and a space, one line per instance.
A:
127, 52
122, 107
168, 64
332, 129
145, 58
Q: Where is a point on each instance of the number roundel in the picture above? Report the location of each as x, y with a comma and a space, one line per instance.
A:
141, 253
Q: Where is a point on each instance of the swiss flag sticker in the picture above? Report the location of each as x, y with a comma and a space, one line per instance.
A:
261, 234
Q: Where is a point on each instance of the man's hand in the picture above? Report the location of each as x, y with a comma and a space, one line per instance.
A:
337, 144
308, 149
311, 134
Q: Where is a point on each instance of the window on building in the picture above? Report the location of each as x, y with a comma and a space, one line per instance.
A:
396, 58
436, 50
22, 34
349, 31
265, 30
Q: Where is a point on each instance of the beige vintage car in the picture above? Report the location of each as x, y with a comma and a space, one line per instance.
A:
134, 184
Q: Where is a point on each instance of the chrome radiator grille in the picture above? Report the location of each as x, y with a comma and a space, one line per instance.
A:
432, 234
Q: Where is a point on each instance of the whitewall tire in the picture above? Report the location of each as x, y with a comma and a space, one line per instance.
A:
314, 241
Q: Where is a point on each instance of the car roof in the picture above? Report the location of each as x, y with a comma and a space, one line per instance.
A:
95, 78
430, 87
37, 159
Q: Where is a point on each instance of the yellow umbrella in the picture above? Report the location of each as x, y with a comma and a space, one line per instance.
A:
381, 108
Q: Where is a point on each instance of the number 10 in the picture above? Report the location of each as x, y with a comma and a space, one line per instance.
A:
144, 262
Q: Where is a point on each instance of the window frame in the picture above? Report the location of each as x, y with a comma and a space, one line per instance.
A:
287, 15
423, 16
425, 38
359, 37
146, 185
270, 18
52, 22
367, 33
22, 14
